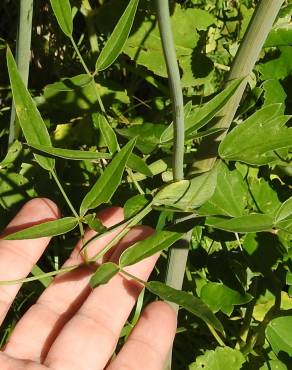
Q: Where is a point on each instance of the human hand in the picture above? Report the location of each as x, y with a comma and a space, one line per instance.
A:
71, 327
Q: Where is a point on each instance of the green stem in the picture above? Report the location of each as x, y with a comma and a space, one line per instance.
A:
122, 233
175, 87
39, 277
23, 55
55, 177
80, 56
243, 64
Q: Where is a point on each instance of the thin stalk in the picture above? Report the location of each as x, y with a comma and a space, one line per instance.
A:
243, 64
70, 205
164, 24
55, 177
80, 56
23, 55
88, 13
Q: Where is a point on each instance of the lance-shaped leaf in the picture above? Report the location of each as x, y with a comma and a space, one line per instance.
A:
49, 228
76, 155
118, 38
107, 132
284, 211
30, 120
108, 182
137, 164
157, 242
13, 152
199, 117
135, 205
185, 300
63, 13
103, 274
254, 222
188, 194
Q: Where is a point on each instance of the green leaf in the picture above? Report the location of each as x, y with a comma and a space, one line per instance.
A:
108, 182
220, 297
118, 38
107, 132
187, 301
157, 242
137, 164
63, 13
94, 223
103, 274
76, 155
49, 228
200, 116
245, 142
279, 335
13, 152
284, 211
230, 196
255, 222
134, 205
225, 358
277, 68
188, 195
30, 120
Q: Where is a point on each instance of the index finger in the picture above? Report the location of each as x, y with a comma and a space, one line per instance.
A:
17, 257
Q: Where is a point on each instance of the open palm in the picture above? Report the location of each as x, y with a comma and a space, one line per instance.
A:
71, 327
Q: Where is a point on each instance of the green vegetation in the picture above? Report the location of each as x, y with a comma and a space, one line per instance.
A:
182, 117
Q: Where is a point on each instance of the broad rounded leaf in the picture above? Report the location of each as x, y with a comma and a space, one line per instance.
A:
187, 301
118, 38
63, 13
225, 358
103, 274
157, 242
30, 120
220, 297
49, 228
279, 335
108, 182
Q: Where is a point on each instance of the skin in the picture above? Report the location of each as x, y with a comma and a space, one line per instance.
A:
72, 327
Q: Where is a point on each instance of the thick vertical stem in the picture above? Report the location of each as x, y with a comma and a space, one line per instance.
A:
243, 64
175, 86
23, 55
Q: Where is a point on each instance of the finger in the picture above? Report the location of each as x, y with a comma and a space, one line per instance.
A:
18, 257
36, 331
149, 343
89, 338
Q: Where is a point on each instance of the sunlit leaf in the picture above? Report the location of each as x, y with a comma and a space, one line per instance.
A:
103, 274
220, 297
157, 242
118, 37
31, 122
284, 211
279, 335
188, 194
108, 182
49, 228
187, 301
225, 358
63, 13
134, 205
245, 142
137, 164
